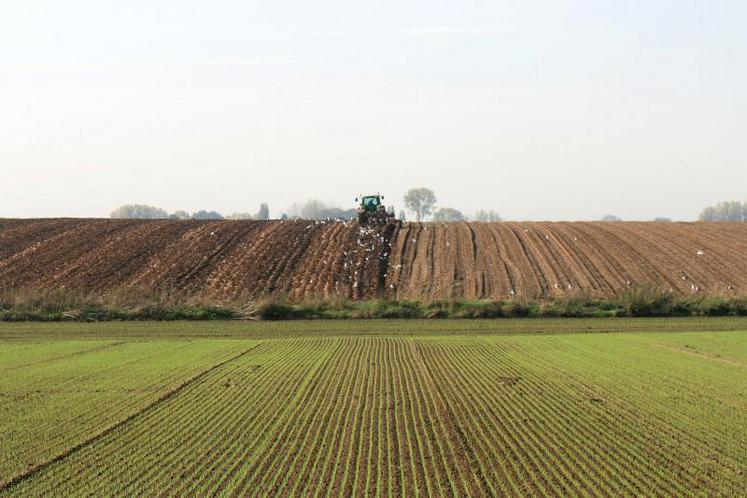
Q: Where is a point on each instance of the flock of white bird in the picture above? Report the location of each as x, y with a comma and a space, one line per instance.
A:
370, 241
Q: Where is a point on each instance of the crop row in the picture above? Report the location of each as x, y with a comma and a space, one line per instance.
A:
63, 396
397, 416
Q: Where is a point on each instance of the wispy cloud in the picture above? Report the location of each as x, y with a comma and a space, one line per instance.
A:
71, 66
409, 32
440, 31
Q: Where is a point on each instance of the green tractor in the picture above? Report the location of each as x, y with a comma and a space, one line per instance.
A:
371, 210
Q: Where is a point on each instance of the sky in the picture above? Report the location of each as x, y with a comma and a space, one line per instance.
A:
542, 110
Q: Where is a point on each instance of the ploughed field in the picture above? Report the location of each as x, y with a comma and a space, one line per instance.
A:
447, 408
229, 260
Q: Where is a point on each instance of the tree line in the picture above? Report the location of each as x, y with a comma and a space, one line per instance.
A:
143, 212
725, 211
421, 202
314, 209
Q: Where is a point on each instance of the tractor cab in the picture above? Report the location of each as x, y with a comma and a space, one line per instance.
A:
371, 210
371, 202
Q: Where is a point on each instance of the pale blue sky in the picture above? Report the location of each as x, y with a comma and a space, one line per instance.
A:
540, 110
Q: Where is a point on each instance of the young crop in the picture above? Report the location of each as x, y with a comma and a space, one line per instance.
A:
407, 409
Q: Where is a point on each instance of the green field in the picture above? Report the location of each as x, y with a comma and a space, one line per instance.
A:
388, 408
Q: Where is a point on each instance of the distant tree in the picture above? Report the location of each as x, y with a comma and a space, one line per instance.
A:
610, 217
402, 216
179, 215
732, 211
309, 210
264, 212
207, 215
725, 211
708, 214
489, 215
421, 201
314, 209
448, 214
139, 212
240, 216
735, 211
662, 220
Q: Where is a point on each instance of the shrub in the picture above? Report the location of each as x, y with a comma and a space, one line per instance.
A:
644, 302
275, 310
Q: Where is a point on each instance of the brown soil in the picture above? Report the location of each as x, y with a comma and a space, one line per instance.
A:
302, 259
545, 260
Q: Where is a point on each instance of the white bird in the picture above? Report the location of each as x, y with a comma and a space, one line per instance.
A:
513, 292
570, 287
700, 252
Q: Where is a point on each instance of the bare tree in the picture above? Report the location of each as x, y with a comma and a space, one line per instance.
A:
207, 215
139, 211
708, 214
240, 216
448, 214
725, 211
314, 209
489, 215
421, 201
264, 212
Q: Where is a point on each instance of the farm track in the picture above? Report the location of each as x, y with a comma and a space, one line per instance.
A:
427, 416
230, 260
